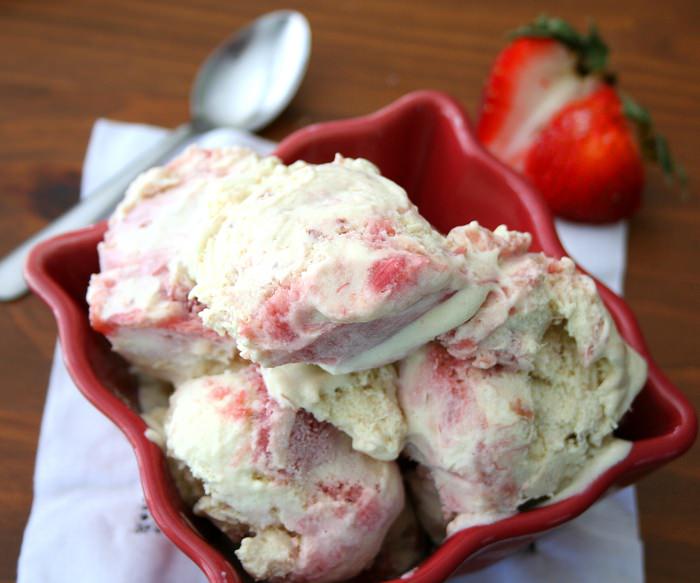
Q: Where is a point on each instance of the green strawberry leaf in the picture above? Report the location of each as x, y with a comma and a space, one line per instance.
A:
590, 49
634, 111
594, 52
654, 146
663, 154
545, 27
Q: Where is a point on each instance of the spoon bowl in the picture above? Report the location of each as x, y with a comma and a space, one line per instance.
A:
244, 84
271, 55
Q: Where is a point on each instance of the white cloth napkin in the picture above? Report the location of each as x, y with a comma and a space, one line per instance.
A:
89, 523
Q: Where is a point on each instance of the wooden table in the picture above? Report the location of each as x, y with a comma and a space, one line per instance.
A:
64, 64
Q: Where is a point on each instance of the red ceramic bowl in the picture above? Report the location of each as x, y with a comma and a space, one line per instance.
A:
424, 142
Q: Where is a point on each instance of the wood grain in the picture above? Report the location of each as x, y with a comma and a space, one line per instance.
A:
64, 64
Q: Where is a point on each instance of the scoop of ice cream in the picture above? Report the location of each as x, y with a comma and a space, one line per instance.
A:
520, 397
321, 263
139, 300
303, 504
361, 404
530, 291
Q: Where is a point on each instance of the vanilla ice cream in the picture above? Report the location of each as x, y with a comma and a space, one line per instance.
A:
303, 326
303, 505
139, 300
527, 294
510, 406
319, 264
361, 404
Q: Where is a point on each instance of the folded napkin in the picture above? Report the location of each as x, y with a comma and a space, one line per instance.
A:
89, 522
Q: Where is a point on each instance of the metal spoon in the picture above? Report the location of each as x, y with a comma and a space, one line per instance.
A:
244, 84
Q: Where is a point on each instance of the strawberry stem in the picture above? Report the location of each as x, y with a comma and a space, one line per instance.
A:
591, 50
654, 146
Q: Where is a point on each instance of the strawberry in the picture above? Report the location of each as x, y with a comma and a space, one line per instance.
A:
551, 111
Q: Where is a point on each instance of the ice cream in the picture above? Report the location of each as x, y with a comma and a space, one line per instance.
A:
320, 264
139, 299
302, 503
328, 264
528, 292
361, 404
509, 407
314, 327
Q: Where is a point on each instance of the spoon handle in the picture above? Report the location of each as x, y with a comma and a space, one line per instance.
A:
97, 205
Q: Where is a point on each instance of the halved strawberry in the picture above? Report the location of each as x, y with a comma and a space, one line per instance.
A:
536, 97
547, 65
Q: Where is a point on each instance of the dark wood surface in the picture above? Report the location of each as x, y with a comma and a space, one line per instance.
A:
64, 64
